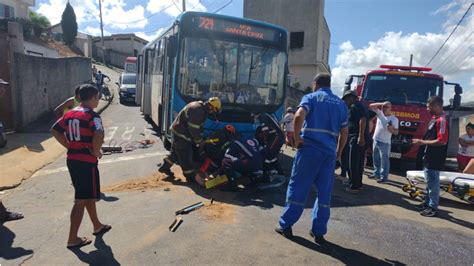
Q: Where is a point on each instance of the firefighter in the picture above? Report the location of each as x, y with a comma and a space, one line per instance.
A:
187, 131
243, 157
272, 138
215, 147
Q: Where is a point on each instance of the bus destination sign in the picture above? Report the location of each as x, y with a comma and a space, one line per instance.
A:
230, 27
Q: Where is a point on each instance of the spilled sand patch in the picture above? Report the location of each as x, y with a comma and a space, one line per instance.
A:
219, 212
154, 181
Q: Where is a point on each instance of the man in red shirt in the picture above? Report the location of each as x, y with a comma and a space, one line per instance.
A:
435, 149
80, 131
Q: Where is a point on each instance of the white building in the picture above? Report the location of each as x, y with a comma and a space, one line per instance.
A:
308, 34
15, 8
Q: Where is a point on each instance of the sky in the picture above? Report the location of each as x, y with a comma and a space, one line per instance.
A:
364, 33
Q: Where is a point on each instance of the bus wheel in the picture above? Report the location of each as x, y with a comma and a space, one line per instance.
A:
166, 143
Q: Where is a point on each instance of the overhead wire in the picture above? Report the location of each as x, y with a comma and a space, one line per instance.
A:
451, 34
442, 66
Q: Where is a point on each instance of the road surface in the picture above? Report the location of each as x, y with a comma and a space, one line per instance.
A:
379, 226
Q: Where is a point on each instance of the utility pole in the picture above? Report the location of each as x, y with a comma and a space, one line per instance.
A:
102, 32
184, 5
411, 60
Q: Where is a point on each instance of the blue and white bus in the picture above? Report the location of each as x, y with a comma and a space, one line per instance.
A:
241, 61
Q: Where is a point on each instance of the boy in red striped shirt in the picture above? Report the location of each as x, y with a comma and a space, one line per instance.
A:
80, 131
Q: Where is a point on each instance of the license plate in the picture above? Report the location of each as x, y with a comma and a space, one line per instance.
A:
395, 155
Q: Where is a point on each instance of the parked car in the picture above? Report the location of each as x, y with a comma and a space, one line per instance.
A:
127, 87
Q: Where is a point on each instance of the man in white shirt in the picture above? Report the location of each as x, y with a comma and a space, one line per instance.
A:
466, 147
387, 124
289, 126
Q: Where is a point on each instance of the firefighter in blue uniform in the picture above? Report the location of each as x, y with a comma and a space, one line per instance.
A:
320, 120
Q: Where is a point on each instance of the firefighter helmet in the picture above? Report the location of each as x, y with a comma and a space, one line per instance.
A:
215, 103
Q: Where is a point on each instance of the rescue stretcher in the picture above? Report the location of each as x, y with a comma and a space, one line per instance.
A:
457, 184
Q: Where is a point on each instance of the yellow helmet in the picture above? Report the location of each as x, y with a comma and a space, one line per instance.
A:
215, 103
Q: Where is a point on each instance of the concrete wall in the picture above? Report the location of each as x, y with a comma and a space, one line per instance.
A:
295, 16
39, 50
43, 83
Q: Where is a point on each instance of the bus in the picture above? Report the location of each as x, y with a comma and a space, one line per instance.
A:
130, 65
243, 62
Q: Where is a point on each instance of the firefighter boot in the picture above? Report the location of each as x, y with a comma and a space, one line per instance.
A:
165, 167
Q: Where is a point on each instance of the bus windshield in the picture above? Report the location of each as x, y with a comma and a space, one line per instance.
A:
401, 90
237, 73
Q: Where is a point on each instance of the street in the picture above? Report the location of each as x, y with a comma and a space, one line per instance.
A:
378, 226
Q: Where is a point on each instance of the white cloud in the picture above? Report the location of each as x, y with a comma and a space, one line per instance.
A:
150, 37
94, 31
115, 15
53, 9
444, 8
171, 9
455, 61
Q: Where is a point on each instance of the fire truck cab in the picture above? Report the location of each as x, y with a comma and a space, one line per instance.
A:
408, 89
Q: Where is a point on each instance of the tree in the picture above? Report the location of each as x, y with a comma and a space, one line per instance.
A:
69, 24
40, 23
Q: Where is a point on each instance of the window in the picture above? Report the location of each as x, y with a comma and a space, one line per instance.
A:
297, 40
6, 11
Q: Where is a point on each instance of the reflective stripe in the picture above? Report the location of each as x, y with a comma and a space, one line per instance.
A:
244, 148
231, 157
321, 131
194, 125
271, 161
188, 171
180, 135
324, 206
295, 203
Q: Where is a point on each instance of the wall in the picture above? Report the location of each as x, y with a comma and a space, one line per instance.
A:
21, 7
43, 83
309, 18
39, 50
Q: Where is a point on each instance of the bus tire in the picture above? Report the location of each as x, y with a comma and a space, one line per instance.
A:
166, 143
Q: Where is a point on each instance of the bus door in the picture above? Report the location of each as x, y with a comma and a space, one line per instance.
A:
146, 93
168, 82
139, 84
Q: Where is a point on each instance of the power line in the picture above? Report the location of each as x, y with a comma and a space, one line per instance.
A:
154, 14
225, 5
437, 52
442, 64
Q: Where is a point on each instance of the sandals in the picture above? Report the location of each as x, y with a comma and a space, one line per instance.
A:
103, 230
12, 216
84, 242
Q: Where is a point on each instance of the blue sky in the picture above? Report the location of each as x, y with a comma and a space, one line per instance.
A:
364, 33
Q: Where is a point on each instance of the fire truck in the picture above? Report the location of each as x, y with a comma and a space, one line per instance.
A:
408, 89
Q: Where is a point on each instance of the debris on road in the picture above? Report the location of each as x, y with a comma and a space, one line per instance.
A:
190, 208
176, 223
220, 212
151, 182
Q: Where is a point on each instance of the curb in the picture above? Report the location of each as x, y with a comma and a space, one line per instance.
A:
30, 173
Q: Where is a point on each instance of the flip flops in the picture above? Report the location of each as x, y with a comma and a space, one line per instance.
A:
84, 242
103, 230
12, 216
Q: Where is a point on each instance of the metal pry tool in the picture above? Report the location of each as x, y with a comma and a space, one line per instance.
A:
177, 222
190, 208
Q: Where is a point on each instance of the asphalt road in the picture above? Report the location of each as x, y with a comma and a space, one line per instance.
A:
378, 226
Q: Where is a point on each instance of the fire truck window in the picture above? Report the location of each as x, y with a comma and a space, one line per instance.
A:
297, 40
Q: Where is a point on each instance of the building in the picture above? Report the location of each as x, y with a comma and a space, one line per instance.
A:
15, 8
308, 34
129, 44
83, 41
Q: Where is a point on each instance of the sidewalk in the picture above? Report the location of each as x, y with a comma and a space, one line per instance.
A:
30, 150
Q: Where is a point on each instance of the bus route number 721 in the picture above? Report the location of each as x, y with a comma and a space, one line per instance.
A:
206, 23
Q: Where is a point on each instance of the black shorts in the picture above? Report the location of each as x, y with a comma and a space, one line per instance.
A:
85, 179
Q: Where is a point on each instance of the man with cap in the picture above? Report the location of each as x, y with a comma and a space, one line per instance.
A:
320, 136
358, 139
187, 131
288, 125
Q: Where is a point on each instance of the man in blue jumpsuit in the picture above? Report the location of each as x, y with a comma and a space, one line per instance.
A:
320, 120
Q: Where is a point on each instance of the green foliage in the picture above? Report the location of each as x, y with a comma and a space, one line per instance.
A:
25, 23
40, 23
69, 24
308, 90
297, 85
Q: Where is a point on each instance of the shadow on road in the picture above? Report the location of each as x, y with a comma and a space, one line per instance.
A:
345, 255
103, 255
6, 250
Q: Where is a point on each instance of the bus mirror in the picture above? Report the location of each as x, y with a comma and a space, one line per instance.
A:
349, 80
347, 87
457, 89
172, 46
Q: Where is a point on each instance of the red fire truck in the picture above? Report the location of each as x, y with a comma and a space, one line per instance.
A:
408, 89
